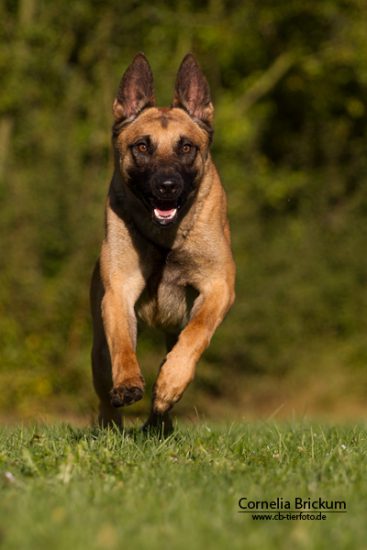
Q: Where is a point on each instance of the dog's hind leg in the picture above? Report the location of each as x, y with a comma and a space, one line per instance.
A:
102, 380
101, 361
161, 424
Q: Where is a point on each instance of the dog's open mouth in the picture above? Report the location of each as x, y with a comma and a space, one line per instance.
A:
164, 217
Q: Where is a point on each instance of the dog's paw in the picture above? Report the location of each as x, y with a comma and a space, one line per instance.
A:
172, 381
163, 404
157, 424
125, 394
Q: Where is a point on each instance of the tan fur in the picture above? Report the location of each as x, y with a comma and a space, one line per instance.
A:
178, 278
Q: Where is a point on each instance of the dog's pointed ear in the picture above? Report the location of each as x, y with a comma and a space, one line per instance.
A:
135, 92
192, 91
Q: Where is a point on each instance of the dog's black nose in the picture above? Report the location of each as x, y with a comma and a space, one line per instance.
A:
168, 188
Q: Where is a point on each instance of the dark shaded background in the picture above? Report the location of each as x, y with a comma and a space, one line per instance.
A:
289, 81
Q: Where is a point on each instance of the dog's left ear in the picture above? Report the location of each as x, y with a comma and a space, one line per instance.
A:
192, 91
136, 91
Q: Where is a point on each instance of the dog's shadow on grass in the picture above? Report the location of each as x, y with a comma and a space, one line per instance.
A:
134, 433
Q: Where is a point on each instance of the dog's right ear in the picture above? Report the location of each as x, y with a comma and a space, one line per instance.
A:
136, 91
192, 91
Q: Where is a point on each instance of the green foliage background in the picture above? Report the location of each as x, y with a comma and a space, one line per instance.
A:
289, 82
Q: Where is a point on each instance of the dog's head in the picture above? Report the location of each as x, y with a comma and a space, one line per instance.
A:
162, 152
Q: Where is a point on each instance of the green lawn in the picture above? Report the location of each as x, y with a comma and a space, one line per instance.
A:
66, 488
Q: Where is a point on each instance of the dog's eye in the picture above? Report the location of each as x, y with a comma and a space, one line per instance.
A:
142, 148
186, 148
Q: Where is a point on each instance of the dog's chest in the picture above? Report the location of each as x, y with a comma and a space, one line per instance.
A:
168, 297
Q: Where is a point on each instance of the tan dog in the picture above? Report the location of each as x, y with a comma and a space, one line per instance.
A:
166, 255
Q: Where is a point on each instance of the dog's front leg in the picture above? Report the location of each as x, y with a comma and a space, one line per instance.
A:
120, 328
178, 370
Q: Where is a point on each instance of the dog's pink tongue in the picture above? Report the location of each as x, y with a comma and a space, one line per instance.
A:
165, 214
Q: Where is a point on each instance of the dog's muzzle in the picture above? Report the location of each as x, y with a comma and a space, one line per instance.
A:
166, 193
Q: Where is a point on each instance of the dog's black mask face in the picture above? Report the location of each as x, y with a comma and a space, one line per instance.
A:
162, 151
165, 183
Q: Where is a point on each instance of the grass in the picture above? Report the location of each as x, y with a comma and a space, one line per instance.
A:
67, 488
